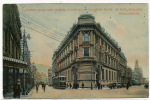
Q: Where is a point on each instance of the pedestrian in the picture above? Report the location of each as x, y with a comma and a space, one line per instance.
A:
73, 85
17, 89
98, 85
78, 85
82, 85
128, 84
37, 86
67, 85
44, 86
95, 85
70, 85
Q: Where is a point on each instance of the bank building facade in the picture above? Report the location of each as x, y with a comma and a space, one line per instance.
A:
89, 55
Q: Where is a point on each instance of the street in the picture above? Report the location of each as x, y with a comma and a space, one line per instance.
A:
133, 92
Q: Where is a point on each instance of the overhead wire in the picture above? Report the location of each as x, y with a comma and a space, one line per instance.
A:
46, 12
46, 25
40, 32
38, 23
41, 29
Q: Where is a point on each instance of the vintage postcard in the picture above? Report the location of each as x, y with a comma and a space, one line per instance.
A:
85, 50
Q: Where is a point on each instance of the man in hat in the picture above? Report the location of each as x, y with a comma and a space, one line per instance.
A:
17, 89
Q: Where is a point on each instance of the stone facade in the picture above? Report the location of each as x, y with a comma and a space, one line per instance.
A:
88, 54
50, 76
14, 67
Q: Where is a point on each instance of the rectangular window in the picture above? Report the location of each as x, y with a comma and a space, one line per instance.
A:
112, 76
103, 74
106, 75
109, 76
86, 51
86, 37
106, 59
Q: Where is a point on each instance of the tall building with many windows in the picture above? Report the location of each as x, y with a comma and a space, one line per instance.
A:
89, 55
16, 64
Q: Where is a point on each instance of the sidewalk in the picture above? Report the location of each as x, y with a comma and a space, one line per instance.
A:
10, 95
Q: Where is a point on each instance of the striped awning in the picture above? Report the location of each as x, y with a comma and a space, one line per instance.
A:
14, 60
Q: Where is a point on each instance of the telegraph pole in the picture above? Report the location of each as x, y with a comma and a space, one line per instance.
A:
23, 92
26, 58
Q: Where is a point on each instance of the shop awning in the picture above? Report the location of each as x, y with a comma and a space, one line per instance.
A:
12, 62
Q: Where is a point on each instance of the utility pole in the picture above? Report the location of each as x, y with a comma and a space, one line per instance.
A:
23, 92
26, 59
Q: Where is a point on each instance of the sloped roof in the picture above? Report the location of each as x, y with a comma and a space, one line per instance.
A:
86, 16
123, 56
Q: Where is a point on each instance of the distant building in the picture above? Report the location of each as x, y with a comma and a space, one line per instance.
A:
137, 73
34, 71
88, 54
129, 73
50, 76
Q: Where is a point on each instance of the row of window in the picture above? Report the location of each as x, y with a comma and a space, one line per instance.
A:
105, 46
86, 37
86, 50
110, 61
86, 53
10, 47
109, 75
67, 60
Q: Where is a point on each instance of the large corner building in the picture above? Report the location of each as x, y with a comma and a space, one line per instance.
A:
89, 55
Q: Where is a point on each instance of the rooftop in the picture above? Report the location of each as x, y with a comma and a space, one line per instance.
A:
86, 16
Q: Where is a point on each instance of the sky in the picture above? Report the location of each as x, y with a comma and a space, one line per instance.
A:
48, 24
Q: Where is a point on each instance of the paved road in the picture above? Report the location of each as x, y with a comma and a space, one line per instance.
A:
133, 92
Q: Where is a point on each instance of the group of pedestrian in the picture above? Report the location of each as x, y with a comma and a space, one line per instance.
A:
69, 85
43, 87
17, 89
75, 85
98, 85
37, 86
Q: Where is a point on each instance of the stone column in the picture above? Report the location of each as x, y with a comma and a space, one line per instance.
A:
80, 38
94, 52
104, 74
91, 37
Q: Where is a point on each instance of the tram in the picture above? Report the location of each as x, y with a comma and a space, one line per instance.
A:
59, 82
